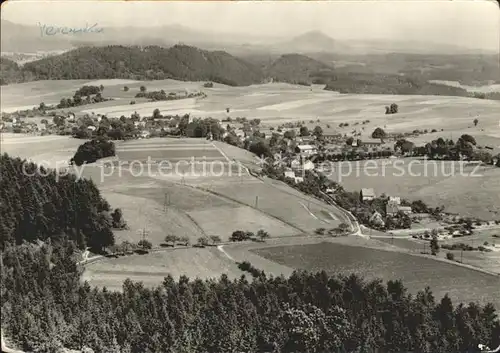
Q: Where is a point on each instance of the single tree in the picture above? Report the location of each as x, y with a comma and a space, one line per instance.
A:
318, 131
145, 244
156, 114
126, 88
378, 133
476, 121
171, 239
262, 234
304, 131
215, 239
143, 88
434, 245
202, 241
184, 240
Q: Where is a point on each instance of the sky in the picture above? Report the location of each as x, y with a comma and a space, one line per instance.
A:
467, 23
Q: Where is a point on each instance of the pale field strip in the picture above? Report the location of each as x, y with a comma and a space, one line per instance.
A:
294, 104
31, 139
166, 148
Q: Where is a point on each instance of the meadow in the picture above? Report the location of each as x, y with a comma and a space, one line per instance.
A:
462, 284
151, 269
207, 205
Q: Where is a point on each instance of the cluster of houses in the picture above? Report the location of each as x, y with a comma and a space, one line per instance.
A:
393, 206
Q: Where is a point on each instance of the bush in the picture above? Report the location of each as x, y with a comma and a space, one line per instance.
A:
450, 256
248, 267
145, 244
93, 150
378, 133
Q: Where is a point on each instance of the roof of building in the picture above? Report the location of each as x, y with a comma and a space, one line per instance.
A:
371, 141
396, 199
368, 192
306, 147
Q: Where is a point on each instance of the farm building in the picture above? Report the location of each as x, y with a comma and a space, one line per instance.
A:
372, 143
395, 199
306, 150
308, 165
291, 174
307, 139
367, 194
392, 208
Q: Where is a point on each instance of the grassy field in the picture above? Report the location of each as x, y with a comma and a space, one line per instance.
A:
489, 261
152, 268
462, 284
191, 209
47, 150
464, 190
301, 211
277, 103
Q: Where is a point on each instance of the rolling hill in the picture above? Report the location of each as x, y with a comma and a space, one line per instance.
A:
296, 68
179, 62
311, 42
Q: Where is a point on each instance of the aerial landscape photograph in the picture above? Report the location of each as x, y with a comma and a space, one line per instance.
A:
250, 177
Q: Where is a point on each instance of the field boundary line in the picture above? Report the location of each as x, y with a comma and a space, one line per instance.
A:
247, 205
221, 249
221, 152
195, 223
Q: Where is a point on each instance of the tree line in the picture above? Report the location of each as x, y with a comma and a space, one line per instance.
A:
39, 204
180, 62
45, 307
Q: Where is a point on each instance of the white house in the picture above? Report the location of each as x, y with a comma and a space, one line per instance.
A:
395, 200
308, 165
306, 149
290, 174
367, 194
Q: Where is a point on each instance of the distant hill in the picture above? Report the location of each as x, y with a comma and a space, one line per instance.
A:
311, 42
369, 83
296, 68
27, 39
179, 62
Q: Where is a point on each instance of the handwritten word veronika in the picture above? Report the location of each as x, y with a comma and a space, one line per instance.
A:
46, 30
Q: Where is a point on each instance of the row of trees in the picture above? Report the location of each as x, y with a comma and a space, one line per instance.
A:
240, 235
440, 148
163, 96
307, 312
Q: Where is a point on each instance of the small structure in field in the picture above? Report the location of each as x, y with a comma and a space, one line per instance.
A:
306, 150
372, 143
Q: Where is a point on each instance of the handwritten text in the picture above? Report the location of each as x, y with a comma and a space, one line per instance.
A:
46, 30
